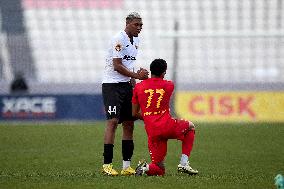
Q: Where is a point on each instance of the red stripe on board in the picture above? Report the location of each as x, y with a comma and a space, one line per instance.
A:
76, 4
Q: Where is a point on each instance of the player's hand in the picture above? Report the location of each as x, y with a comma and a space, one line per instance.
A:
143, 73
133, 82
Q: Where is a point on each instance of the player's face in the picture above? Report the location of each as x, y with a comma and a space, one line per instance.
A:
134, 27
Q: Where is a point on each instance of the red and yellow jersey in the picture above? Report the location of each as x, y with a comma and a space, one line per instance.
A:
153, 95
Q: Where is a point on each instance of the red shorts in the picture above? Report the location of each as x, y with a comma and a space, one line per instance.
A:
157, 144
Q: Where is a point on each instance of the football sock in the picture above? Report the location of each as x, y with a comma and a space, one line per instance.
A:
187, 143
146, 167
127, 149
125, 164
183, 159
108, 153
155, 170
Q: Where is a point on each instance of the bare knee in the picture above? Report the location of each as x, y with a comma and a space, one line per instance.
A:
112, 124
110, 131
128, 127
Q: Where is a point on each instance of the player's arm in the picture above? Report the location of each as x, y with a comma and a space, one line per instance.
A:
136, 111
120, 68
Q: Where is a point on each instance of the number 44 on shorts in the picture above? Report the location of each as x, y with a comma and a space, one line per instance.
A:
112, 110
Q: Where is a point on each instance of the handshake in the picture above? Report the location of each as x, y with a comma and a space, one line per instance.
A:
142, 74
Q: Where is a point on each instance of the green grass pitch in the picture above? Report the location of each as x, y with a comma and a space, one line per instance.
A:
69, 155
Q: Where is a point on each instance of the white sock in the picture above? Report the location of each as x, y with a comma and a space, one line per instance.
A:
183, 159
146, 168
125, 164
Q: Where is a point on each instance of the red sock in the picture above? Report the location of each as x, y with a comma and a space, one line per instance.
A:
187, 142
155, 170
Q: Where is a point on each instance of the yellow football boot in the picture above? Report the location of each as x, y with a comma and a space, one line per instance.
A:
127, 172
108, 170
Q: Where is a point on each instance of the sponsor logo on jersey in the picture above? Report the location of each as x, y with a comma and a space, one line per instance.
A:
118, 47
126, 57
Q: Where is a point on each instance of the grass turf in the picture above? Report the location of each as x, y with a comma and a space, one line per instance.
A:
58, 155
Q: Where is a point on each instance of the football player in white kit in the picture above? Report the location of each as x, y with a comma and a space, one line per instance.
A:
117, 88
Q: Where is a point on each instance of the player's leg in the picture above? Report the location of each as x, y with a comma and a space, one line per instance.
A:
112, 109
109, 137
188, 139
158, 150
127, 148
185, 132
127, 131
156, 169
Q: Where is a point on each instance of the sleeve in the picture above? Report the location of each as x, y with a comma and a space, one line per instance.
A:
135, 96
117, 47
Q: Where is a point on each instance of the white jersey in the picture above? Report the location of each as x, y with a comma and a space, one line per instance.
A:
120, 47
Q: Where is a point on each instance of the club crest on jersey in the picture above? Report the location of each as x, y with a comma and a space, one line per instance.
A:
136, 46
118, 47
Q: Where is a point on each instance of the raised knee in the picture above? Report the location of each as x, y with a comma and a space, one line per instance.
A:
191, 126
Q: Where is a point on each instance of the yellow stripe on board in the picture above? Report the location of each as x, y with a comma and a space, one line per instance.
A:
230, 106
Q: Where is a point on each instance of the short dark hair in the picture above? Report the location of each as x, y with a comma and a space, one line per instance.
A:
158, 67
